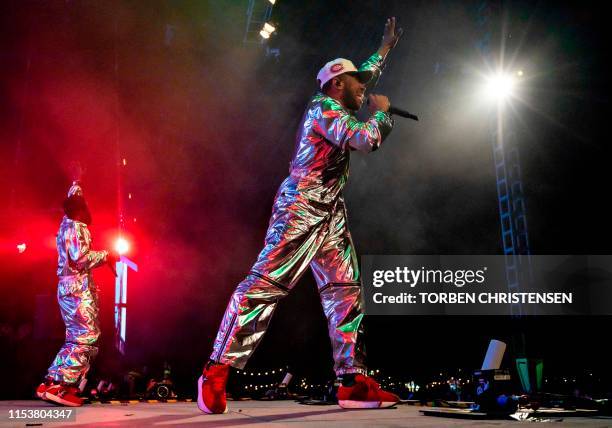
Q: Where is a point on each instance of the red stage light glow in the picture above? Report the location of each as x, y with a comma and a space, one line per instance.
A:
122, 246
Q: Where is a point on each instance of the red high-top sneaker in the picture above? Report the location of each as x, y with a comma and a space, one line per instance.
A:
211, 388
66, 395
42, 388
365, 393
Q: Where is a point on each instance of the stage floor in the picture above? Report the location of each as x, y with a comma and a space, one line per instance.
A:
261, 413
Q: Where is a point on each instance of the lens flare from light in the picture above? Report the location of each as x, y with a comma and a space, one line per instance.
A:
122, 246
500, 86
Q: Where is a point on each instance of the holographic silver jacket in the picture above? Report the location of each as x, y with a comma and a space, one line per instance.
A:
308, 228
75, 256
77, 296
326, 136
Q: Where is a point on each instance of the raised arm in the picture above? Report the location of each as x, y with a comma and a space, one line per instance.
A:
375, 63
390, 37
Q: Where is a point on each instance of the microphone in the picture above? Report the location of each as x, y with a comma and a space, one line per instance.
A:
403, 113
400, 112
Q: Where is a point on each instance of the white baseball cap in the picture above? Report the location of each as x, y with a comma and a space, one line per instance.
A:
340, 66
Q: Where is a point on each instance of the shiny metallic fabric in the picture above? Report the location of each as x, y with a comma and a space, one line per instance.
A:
75, 256
308, 227
78, 299
75, 189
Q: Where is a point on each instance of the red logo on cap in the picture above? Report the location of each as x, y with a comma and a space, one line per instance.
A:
336, 68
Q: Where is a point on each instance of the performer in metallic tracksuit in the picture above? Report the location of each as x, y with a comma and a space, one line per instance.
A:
308, 228
77, 296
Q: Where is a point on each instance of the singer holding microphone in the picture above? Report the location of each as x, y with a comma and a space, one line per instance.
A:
308, 228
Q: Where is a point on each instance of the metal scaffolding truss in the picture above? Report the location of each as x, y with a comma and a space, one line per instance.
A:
258, 13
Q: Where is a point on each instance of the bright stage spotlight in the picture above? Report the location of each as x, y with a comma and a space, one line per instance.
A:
267, 30
122, 246
21, 247
500, 86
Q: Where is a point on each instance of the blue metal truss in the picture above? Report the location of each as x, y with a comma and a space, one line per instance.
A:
511, 201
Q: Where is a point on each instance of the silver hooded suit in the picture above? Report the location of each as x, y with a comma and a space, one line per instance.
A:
77, 296
308, 227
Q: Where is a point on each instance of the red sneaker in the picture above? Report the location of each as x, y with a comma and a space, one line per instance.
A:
365, 394
211, 388
66, 395
42, 388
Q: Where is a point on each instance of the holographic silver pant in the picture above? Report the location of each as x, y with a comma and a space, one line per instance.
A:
78, 301
300, 234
